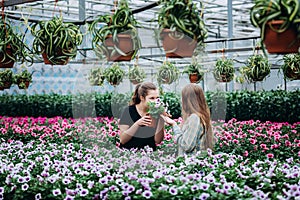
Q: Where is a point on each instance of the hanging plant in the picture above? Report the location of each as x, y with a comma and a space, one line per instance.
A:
118, 38
114, 74
23, 79
6, 79
181, 27
167, 73
96, 76
195, 72
224, 70
257, 68
12, 47
56, 40
279, 23
136, 74
291, 66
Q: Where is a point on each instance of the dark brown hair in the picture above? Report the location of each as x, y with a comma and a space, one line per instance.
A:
141, 90
194, 101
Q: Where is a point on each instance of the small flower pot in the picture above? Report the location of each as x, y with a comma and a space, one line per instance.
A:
23, 86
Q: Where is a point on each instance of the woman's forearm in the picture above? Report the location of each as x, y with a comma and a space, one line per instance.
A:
126, 135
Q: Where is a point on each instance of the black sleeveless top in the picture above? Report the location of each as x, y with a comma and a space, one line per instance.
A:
144, 135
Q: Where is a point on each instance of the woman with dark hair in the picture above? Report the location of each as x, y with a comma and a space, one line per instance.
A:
196, 133
137, 128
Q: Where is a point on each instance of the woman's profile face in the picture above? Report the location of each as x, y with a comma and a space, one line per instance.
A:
152, 95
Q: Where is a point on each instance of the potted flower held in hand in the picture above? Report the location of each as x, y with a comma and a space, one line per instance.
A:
155, 109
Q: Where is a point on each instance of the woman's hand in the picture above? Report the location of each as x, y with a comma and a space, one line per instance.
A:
145, 121
168, 120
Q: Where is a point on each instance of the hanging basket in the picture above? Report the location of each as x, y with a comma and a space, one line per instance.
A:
177, 45
281, 43
5, 61
125, 44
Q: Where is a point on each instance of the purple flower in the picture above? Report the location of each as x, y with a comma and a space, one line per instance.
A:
83, 192
173, 190
194, 188
56, 192
25, 187
38, 196
68, 197
203, 196
204, 186
1, 190
147, 194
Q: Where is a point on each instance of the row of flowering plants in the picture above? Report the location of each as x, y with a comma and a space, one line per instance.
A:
57, 158
71, 171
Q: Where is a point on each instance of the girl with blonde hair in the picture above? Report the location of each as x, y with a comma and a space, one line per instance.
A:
196, 132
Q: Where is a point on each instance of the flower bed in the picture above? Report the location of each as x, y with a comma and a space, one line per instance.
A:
56, 158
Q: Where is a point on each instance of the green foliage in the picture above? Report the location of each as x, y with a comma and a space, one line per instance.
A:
57, 39
6, 76
277, 105
167, 73
264, 11
136, 74
12, 47
224, 70
96, 76
256, 69
121, 21
291, 66
183, 16
114, 74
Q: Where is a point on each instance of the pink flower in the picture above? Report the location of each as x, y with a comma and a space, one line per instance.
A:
252, 141
246, 153
270, 155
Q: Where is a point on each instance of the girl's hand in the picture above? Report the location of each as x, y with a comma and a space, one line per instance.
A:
168, 120
145, 121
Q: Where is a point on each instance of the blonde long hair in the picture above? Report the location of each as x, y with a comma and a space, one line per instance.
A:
194, 101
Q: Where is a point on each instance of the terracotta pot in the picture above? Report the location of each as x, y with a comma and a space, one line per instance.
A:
7, 62
58, 62
195, 78
6, 85
125, 44
177, 48
281, 43
27, 83
134, 82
